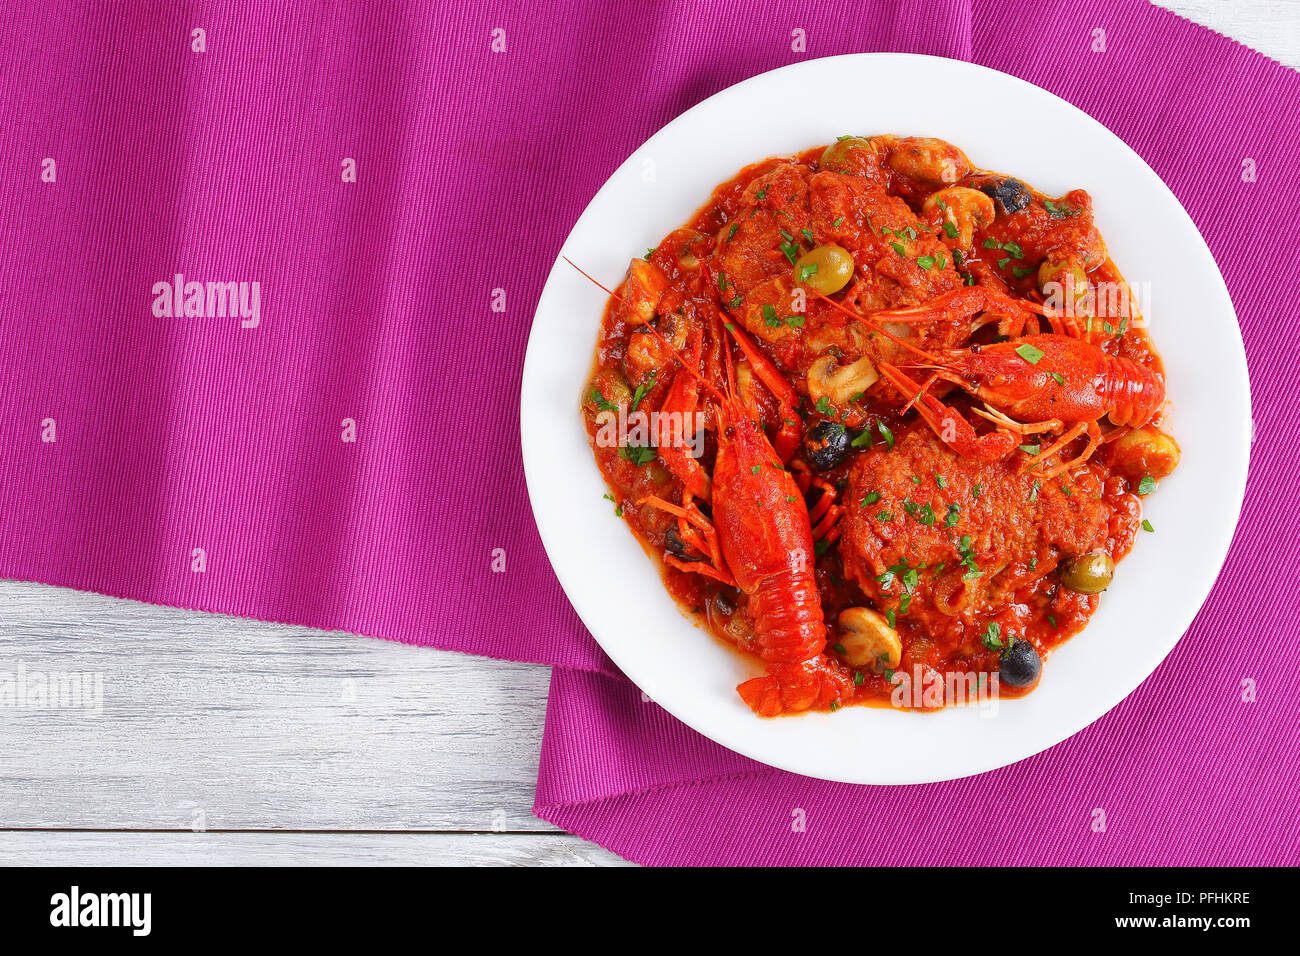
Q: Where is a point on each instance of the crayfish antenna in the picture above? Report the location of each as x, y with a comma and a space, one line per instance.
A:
596, 282
875, 325
896, 378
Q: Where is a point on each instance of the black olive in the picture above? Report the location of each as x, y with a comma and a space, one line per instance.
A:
826, 444
1011, 195
1020, 664
677, 546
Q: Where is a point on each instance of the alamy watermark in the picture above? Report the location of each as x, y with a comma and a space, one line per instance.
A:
211, 300
927, 689
21, 689
1112, 303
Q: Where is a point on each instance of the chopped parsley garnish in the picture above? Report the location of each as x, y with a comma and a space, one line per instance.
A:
1033, 495
884, 516
1058, 210
807, 271
808, 234
870, 498
732, 233
1030, 354
604, 404
1021, 271
950, 228
791, 251
954, 512
1031, 449
642, 390
858, 678
976, 490
886, 434
824, 407
638, 455
838, 222
769, 316
968, 558
1146, 485
991, 638
909, 576
898, 247
648, 254
925, 262
1146, 525
1058, 378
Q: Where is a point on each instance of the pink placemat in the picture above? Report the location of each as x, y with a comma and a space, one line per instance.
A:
331, 439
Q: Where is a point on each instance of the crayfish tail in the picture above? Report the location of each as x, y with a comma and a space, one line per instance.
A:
794, 688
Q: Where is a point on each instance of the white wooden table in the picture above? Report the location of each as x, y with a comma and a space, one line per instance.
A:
231, 741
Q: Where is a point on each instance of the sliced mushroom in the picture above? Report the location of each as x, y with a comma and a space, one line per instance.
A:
868, 640
960, 211
839, 385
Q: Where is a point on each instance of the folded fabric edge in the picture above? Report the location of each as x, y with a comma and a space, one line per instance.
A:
592, 819
108, 590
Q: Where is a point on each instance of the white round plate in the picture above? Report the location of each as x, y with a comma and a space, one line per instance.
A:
1031, 135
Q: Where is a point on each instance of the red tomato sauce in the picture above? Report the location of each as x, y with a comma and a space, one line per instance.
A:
952, 558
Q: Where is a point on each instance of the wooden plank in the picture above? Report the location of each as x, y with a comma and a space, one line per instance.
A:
224, 723
300, 849
1270, 26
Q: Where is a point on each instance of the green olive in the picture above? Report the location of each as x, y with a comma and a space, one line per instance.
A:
1089, 573
826, 268
1054, 270
836, 156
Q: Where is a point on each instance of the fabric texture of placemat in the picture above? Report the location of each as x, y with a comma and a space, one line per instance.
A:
376, 192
